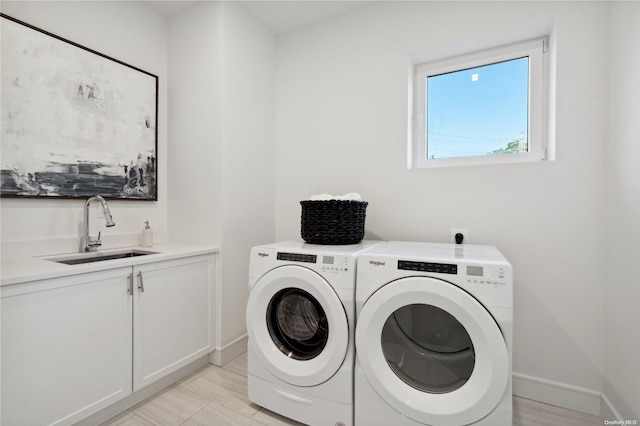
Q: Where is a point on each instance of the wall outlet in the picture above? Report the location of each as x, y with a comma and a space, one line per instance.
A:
455, 231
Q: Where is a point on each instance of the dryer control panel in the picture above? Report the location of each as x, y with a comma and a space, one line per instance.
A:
441, 268
488, 275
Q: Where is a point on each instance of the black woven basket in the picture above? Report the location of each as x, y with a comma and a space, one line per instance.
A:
333, 221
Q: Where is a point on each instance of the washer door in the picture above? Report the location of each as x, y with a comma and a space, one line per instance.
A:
432, 351
297, 325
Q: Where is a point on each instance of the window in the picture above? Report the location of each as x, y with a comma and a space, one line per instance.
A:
485, 107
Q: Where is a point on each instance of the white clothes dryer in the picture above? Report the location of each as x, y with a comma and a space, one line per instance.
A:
301, 323
433, 336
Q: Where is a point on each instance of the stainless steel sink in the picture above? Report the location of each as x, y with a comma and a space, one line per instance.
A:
99, 257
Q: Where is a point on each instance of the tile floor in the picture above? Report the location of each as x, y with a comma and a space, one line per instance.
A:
215, 396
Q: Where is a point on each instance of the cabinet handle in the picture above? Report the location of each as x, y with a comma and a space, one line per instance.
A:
141, 286
130, 284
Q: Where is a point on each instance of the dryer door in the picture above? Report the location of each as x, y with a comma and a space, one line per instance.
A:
297, 325
432, 351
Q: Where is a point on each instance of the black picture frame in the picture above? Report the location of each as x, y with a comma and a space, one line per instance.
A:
75, 122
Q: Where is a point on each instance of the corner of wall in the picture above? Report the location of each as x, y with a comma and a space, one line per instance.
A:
227, 353
621, 375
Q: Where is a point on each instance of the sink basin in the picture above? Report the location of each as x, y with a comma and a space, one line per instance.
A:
99, 257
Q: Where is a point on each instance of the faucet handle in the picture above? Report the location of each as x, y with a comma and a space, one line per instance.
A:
93, 244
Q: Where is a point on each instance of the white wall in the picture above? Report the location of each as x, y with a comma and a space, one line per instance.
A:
622, 282
341, 126
195, 111
222, 139
127, 31
248, 157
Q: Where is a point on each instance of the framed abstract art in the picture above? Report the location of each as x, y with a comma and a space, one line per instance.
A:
75, 123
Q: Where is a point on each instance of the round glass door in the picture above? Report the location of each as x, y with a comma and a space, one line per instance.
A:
432, 351
297, 324
428, 348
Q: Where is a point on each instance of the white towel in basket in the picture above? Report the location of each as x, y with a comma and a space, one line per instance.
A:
351, 196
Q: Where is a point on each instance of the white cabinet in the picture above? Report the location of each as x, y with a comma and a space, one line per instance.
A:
74, 345
171, 317
66, 347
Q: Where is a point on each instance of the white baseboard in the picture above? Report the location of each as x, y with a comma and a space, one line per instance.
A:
558, 394
222, 355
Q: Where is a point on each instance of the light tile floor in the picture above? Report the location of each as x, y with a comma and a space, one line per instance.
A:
215, 396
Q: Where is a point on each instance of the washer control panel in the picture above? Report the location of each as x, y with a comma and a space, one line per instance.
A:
327, 263
485, 275
297, 257
335, 263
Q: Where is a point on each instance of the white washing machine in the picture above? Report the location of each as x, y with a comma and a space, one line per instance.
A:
433, 336
301, 322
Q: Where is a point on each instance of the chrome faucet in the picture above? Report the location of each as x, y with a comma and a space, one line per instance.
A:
86, 243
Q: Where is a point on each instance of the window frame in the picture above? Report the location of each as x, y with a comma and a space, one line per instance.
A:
537, 51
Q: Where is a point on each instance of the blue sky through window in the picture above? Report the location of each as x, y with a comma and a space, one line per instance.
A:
478, 110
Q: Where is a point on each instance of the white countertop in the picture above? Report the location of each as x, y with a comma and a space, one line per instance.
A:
19, 270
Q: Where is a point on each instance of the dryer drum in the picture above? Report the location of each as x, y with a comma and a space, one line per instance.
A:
428, 348
297, 324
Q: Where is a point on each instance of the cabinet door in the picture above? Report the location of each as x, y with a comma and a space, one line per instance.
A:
66, 347
172, 316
